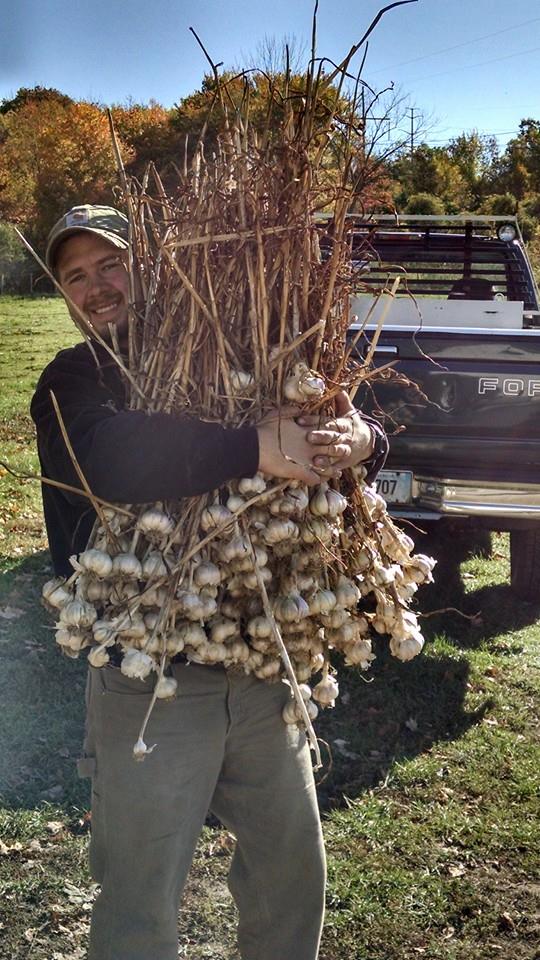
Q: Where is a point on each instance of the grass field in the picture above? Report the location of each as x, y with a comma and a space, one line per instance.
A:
431, 781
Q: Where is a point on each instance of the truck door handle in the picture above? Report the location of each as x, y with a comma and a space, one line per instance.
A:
391, 351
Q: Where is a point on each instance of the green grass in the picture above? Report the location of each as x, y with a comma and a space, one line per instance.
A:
31, 333
431, 778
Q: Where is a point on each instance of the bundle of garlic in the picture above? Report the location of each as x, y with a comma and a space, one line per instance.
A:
241, 305
144, 597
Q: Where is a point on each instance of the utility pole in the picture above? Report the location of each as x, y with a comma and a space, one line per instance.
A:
412, 132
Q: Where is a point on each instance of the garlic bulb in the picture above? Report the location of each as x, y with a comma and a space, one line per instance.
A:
191, 634
71, 640
237, 652
292, 714
235, 502
326, 692
215, 517
249, 486
154, 566
279, 531
407, 649
318, 505
133, 626
317, 530
104, 631
166, 688
96, 562
259, 627
291, 608
234, 549
174, 643
78, 613
323, 601
126, 566
347, 593
98, 656
155, 524
95, 590
190, 605
55, 593
420, 569
206, 574
136, 664
240, 380
359, 654
268, 670
222, 629
304, 384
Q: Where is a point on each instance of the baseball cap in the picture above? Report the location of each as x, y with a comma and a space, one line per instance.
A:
106, 222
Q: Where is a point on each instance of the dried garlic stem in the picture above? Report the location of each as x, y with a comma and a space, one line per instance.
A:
139, 748
284, 655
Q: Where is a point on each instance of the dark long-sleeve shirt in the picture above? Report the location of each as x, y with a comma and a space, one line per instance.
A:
126, 456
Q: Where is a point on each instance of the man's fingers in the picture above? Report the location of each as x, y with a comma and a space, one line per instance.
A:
332, 451
330, 436
338, 424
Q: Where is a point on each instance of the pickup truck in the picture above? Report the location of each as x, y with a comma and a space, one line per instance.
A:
463, 335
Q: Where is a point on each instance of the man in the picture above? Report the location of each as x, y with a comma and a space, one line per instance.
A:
222, 744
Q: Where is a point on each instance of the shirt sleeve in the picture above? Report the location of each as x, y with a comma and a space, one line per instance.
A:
131, 456
377, 459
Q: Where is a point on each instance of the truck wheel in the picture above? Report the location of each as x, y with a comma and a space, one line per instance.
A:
525, 563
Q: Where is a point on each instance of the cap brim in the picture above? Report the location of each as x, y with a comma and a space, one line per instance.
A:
112, 238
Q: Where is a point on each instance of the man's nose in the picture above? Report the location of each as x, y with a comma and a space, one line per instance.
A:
96, 283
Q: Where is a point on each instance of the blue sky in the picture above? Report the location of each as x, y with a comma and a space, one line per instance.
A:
460, 64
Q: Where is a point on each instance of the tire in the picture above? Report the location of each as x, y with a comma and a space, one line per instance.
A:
525, 563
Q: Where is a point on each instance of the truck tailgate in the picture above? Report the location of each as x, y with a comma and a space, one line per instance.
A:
481, 418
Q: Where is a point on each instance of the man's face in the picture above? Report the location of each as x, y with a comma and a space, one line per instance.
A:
93, 273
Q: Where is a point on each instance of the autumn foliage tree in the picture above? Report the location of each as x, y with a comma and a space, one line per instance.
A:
53, 155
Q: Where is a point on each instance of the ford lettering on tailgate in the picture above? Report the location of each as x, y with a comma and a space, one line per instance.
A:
509, 386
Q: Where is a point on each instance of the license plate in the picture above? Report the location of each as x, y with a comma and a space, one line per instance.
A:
395, 485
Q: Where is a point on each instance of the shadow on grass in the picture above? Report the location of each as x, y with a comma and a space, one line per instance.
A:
498, 609
400, 711
42, 696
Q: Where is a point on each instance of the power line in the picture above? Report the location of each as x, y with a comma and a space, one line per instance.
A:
470, 66
466, 43
496, 133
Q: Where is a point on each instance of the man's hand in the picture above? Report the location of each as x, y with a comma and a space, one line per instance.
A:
355, 438
285, 449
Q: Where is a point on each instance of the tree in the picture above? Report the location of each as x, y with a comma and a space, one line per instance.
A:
34, 95
148, 132
475, 157
54, 155
425, 203
500, 204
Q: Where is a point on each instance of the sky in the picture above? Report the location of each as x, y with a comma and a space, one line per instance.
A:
459, 65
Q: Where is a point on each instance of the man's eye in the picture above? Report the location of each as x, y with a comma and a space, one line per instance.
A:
112, 264
75, 279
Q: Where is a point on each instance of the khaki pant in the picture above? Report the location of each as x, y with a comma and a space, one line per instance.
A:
221, 746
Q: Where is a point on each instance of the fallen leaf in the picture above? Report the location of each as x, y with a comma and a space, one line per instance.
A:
457, 871
54, 826
411, 724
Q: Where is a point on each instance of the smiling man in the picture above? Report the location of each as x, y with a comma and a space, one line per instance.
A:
91, 268
222, 743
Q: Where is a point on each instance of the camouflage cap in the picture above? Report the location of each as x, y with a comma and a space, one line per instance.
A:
106, 222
